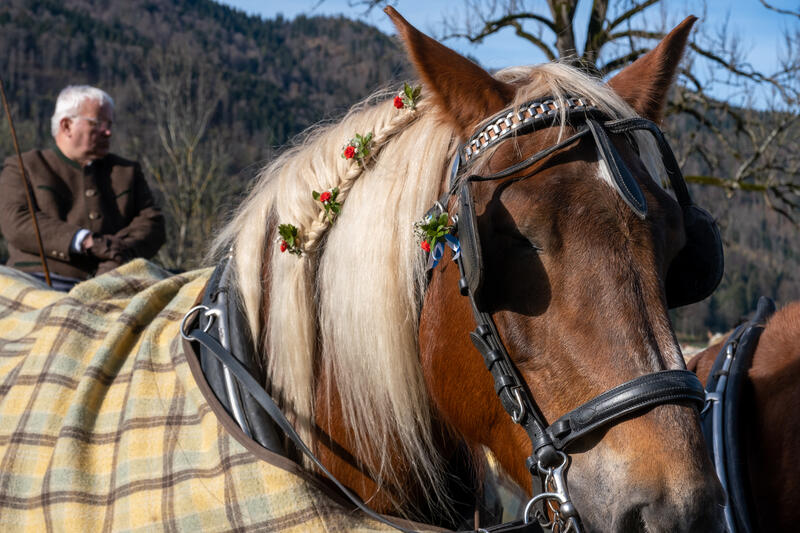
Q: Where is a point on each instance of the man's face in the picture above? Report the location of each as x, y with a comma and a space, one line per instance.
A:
89, 133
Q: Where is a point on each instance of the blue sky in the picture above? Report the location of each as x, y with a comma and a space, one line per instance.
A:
757, 31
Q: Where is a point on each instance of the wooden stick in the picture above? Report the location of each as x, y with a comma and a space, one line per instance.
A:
25, 186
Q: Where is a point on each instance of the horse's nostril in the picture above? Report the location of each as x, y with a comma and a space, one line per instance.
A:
701, 513
630, 521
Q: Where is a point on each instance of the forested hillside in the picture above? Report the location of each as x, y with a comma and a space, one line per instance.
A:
205, 94
277, 76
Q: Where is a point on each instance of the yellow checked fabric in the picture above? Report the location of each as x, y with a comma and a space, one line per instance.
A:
104, 428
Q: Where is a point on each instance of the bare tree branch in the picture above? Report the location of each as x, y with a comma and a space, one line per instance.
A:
621, 61
781, 11
596, 36
629, 14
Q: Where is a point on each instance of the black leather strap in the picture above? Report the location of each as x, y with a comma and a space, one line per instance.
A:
251, 386
517, 526
219, 294
621, 177
744, 340
735, 462
667, 386
674, 173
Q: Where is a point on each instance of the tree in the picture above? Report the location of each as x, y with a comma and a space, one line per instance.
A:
181, 96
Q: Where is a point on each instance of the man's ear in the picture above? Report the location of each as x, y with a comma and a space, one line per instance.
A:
645, 82
462, 91
65, 125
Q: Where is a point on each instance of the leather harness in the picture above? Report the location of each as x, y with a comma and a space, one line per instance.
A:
720, 419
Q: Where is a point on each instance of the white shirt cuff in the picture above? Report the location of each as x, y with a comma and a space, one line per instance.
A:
77, 239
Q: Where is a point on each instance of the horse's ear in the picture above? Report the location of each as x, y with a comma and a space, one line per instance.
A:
645, 82
463, 91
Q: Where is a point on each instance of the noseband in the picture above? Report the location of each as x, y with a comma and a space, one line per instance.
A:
549, 460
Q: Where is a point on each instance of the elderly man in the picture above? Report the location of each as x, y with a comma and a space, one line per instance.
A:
94, 208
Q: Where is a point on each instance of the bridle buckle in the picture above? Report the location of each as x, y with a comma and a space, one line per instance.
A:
519, 414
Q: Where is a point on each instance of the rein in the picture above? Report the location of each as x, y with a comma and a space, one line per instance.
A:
237, 364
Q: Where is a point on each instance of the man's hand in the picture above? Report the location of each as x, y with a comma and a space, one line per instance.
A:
87, 243
109, 248
106, 266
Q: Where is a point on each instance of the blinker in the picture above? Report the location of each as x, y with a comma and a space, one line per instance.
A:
621, 177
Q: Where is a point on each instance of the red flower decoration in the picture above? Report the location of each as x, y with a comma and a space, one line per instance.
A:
284, 246
425, 246
324, 197
398, 102
349, 152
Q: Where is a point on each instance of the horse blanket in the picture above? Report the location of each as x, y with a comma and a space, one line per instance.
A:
107, 424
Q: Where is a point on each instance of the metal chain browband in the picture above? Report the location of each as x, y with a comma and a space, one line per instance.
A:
509, 121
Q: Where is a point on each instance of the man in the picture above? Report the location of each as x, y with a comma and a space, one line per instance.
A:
94, 208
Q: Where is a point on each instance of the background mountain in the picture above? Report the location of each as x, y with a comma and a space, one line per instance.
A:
277, 77
205, 94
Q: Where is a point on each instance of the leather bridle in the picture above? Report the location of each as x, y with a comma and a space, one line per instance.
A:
549, 459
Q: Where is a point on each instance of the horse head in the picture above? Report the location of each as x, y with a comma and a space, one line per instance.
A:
576, 275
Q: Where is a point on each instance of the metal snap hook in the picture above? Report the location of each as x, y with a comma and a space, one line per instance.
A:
557, 497
518, 415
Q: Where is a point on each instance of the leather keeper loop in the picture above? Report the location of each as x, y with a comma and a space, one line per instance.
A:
503, 381
491, 357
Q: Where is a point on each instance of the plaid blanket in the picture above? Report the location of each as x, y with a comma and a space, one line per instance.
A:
106, 426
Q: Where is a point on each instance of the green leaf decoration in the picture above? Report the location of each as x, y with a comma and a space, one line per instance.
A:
331, 206
288, 233
432, 230
361, 144
410, 95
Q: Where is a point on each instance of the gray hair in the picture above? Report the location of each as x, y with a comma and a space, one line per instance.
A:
71, 98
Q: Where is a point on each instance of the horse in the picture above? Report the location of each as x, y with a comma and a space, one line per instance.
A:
545, 185
768, 432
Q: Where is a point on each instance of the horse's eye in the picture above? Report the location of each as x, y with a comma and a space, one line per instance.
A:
513, 237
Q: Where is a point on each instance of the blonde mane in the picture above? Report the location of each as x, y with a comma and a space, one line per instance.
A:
349, 308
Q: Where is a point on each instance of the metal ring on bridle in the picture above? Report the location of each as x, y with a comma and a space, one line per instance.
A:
186, 317
555, 475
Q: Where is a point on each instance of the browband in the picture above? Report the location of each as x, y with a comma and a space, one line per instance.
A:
508, 121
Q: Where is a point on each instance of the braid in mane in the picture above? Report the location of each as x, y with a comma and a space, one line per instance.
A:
290, 364
314, 233
347, 305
